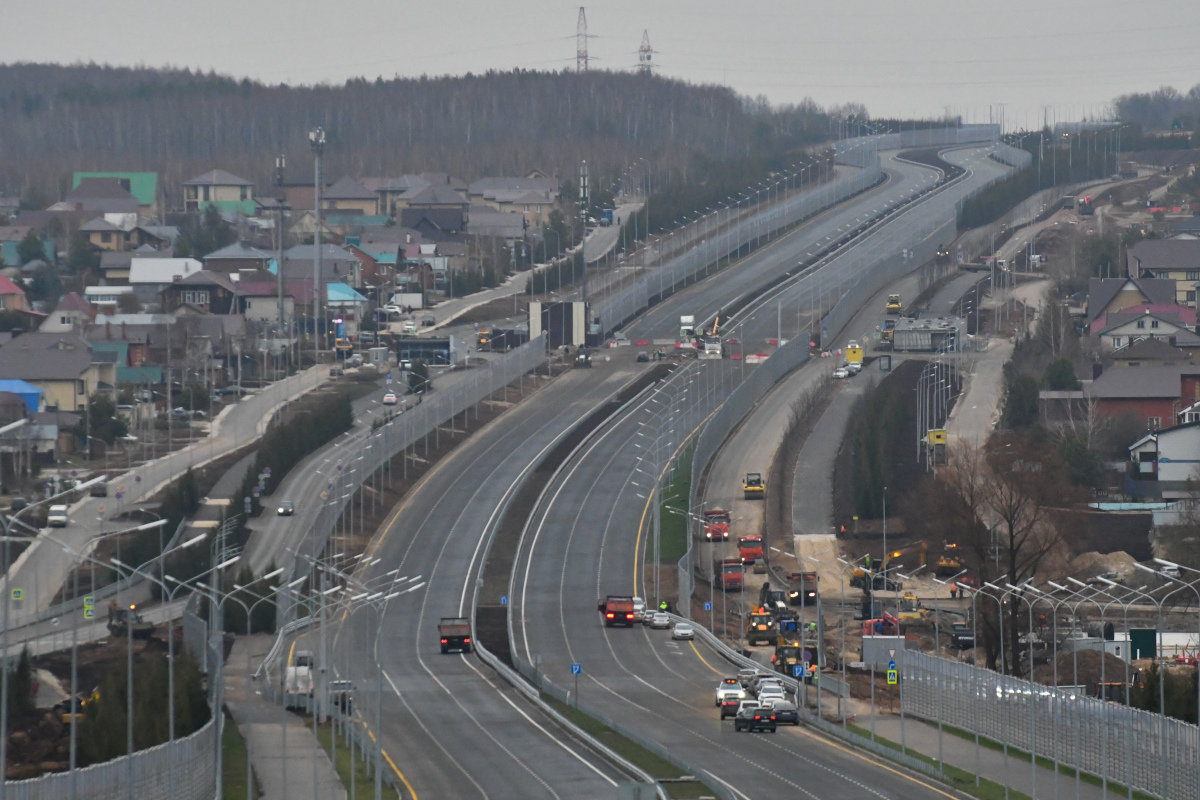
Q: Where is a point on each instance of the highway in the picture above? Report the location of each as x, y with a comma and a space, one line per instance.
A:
432, 701
589, 539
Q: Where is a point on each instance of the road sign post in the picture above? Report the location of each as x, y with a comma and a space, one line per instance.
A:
577, 670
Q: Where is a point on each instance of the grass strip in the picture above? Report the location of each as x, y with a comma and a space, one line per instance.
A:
364, 782
235, 769
658, 768
673, 525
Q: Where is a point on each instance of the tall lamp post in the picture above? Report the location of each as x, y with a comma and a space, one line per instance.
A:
316, 140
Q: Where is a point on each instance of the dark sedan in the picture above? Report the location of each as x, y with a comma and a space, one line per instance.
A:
785, 712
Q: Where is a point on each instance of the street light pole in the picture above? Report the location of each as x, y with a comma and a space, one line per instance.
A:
316, 140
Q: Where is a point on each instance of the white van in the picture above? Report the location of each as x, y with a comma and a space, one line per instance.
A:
57, 517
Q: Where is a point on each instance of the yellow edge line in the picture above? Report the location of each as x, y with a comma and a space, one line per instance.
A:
392, 764
877, 763
290, 652
710, 666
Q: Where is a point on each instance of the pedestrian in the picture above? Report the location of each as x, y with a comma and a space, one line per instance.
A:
953, 591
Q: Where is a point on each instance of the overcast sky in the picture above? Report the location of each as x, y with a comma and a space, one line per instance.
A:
920, 57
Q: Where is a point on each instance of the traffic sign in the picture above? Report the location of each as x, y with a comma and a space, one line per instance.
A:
893, 677
389, 378
891, 665
577, 669
891, 653
797, 670
89, 601
503, 599
707, 605
18, 595
89, 613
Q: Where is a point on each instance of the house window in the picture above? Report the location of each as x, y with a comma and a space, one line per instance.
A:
1190, 297
526, 209
195, 298
81, 388
1117, 341
64, 320
245, 192
1153, 323
205, 192
1193, 275
106, 238
1141, 323
1153, 423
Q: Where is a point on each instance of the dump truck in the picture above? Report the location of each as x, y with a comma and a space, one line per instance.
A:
126, 621
803, 589
754, 487
455, 633
762, 628
962, 635
716, 524
854, 355
617, 610
727, 574
894, 306
750, 549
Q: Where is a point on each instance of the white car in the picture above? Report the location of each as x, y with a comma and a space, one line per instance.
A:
683, 630
390, 399
408, 327
639, 609
57, 517
730, 691
393, 311
841, 372
771, 695
660, 620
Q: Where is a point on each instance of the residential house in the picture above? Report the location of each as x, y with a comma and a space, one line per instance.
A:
1153, 394
349, 196
1166, 463
12, 297
377, 269
390, 190
120, 232
486, 190
114, 266
106, 299
219, 188
1167, 322
435, 223
236, 257
203, 292
98, 196
1154, 352
149, 276
258, 302
1168, 259
486, 221
61, 365
72, 315
336, 264
346, 304
142, 185
1106, 295
300, 195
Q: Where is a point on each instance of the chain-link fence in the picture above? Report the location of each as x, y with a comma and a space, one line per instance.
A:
377, 447
1154, 754
182, 770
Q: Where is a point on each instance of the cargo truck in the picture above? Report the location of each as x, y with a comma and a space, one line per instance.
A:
716, 524
687, 328
618, 610
298, 680
750, 549
455, 633
803, 589
727, 574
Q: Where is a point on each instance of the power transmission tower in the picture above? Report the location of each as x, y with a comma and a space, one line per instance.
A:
645, 53
581, 37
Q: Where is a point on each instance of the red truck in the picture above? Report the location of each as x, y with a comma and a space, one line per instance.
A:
617, 610
716, 524
750, 549
727, 574
455, 633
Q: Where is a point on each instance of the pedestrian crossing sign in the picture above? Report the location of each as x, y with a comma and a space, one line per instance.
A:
893, 677
18, 595
89, 613
89, 601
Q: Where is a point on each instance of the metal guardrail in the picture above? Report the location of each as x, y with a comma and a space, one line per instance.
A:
1136, 748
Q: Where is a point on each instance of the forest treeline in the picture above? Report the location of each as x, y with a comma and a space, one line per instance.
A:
1165, 108
55, 120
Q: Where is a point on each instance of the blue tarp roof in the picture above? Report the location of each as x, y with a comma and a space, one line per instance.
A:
29, 393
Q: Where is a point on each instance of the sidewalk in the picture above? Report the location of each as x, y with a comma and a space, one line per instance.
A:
922, 737
299, 770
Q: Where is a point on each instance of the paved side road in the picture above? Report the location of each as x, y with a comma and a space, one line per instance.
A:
43, 567
289, 764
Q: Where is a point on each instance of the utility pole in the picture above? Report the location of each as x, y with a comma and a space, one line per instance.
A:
316, 139
583, 217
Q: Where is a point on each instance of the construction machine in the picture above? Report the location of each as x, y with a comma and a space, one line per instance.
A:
754, 487
762, 629
949, 563
894, 306
911, 609
128, 621
885, 625
712, 347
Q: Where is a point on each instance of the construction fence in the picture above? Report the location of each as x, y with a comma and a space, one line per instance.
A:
1150, 752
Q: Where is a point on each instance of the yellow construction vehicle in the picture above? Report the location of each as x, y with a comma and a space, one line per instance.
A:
910, 608
789, 651
754, 487
894, 306
711, 346
949, 563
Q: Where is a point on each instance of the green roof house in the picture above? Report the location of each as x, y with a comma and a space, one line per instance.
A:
219, 188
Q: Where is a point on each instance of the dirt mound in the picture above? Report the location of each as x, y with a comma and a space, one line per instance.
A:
1088, 670
1093, 564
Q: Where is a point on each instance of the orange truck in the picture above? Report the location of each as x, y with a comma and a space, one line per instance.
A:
727, 574
716, 524
617, 610
750, 548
